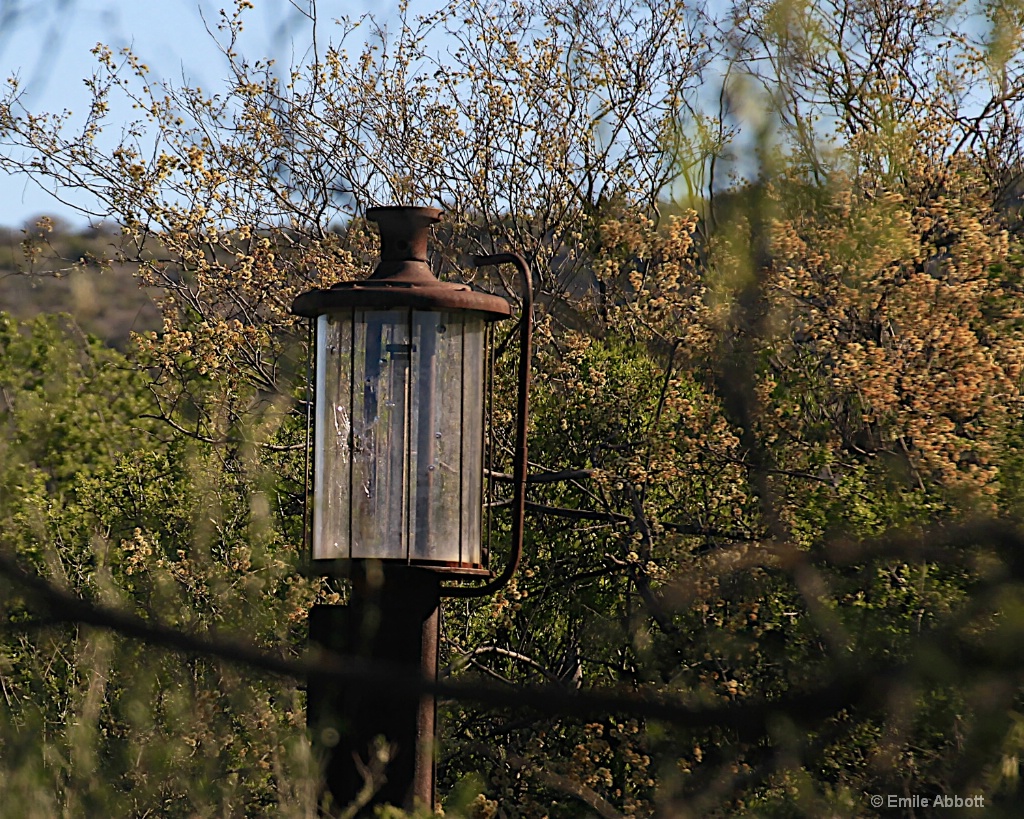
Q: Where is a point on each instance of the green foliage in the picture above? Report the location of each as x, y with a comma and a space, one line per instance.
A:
104, 504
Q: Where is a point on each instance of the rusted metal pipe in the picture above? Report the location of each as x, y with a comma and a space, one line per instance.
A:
519, 465
392, 619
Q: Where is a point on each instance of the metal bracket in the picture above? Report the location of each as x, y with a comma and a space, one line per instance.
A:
520, 463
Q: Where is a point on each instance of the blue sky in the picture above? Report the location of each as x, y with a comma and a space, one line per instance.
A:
47, 43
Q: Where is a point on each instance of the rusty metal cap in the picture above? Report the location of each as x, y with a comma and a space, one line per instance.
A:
403, 278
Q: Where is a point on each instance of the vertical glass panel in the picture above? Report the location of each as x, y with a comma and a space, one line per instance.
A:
399, 428
380, 458
447, 430
423, 392
436, 424
471, 397
332, 434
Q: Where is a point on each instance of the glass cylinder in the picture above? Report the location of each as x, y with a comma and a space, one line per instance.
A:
399, 437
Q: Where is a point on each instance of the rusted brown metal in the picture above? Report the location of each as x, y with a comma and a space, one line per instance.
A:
424, 778
403, 279
519, 465
392, 620
394, 611
342, 567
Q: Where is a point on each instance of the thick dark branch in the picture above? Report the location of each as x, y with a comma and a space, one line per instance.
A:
614, 517
575, 514
543, 477
588, 796
749, 719
867, 687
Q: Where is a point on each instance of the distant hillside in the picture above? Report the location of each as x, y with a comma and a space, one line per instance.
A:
60, 271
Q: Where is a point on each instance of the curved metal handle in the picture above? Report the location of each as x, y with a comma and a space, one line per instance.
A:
519, 465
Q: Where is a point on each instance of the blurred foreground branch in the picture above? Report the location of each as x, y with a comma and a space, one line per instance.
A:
850, 686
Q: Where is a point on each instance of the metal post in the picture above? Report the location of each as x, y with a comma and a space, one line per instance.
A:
393, 619
393, 616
